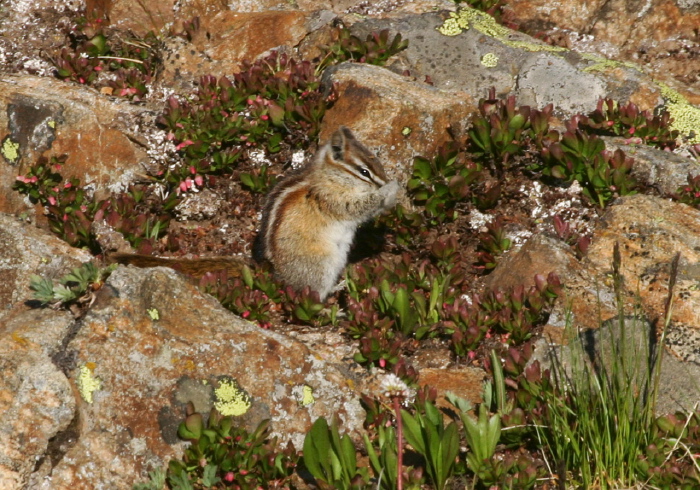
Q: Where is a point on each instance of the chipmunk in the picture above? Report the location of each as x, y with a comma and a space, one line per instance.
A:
310, 218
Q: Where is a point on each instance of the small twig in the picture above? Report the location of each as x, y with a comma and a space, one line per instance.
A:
120, 58
678, 440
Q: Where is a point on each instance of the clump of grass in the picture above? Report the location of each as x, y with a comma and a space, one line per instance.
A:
600, 412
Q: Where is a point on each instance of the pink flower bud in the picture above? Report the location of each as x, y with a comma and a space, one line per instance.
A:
228, 476
52, 200
184, 144
382, 363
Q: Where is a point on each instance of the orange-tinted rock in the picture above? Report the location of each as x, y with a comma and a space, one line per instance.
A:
229, 38
150, 368
45, 116
582, 299
400, 118
650, 231
651, 34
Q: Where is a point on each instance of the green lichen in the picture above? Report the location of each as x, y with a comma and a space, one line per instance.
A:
87, 383
533, 47
52, 124
481, 21
230, 398
489, 60
603, 64
10, 150
153, 314
686, 117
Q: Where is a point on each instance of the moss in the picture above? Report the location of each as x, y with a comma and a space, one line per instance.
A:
686, 117
87, 383
489, 60
230, 398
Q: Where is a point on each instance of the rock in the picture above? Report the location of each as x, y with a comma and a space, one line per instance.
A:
26, 250
678, 390
661, 34
228, 38
393, 115
148, 369
29, 30
102, 136
489, 55
658, 169
650, 231
37, 404
585, 299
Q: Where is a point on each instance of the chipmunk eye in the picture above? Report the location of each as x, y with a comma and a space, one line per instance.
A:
364, 172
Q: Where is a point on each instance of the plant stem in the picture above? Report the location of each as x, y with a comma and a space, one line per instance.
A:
399, 442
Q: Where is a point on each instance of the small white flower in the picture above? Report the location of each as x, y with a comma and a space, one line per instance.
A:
393, 386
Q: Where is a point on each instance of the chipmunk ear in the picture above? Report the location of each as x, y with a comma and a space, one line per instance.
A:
340, 141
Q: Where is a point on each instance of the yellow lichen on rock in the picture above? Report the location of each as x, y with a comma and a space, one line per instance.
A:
466, 17
87, 383
602, 64
489, 60
686, 117
307, 396
230, 398
10, 150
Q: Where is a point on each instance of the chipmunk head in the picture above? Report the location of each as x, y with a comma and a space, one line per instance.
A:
346, 158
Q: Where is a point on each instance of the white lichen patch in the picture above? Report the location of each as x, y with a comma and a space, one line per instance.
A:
87, 382
478, 220
259, 158
298, 159
230, 398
